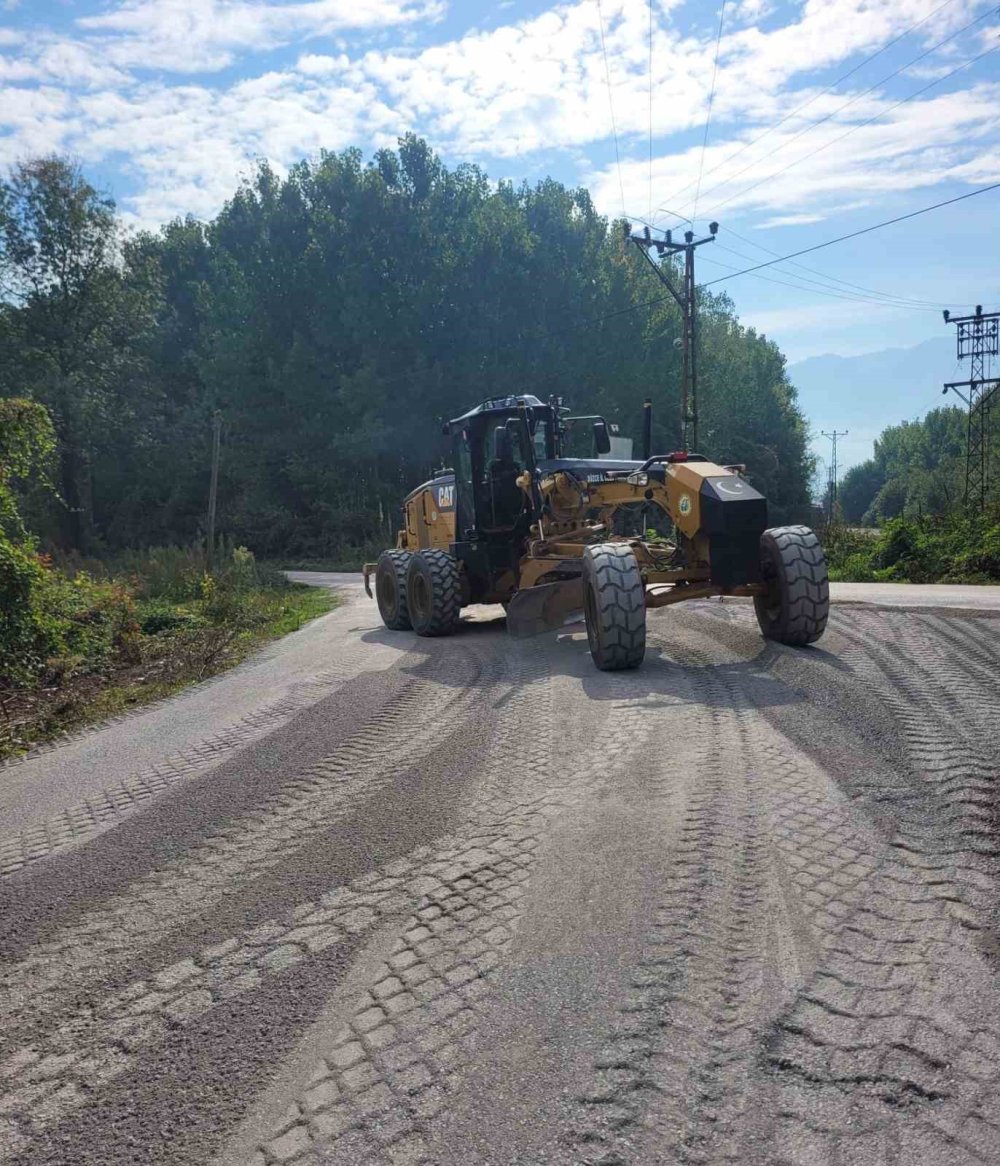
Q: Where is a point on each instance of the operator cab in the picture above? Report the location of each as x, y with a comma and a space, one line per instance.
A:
494, 444
502, 438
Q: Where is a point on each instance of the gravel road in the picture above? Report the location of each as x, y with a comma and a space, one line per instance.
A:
374, 899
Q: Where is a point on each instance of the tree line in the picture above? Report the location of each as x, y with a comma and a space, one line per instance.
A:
332, 317
917, 469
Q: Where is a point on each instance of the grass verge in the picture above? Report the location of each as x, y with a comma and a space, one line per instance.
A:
185, 649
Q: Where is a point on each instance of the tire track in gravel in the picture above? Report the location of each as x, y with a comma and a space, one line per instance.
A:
95, 814
809, 988
96, 1049
93, 1048
397, 1066
668, 1083
948, 742
583, 919
892, 1052
203, 749
960, 634
410, 725
721, 956
689, 1106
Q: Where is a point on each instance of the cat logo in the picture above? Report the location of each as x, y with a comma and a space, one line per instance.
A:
685, 504
446, 497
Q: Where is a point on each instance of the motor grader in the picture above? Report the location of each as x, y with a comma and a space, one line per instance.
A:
522, 522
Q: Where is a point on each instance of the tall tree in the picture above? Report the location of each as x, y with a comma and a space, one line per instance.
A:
334, 316
75, 306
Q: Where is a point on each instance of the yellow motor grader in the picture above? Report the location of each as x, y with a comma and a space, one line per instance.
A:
520, 523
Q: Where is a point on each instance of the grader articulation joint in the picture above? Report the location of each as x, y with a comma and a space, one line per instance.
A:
523, 521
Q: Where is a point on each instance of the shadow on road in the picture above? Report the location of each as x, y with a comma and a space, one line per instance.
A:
665, 679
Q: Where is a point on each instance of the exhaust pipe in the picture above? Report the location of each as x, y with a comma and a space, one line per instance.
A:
647, 429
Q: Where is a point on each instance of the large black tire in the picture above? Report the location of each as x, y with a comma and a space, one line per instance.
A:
433, 593
797, 603
614, 604
390, 589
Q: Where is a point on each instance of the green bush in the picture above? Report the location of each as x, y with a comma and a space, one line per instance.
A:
955, 548
48, 616
22, 645
158, 615
87, 616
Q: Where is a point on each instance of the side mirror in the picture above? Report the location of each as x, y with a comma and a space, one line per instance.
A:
502, 444
602, 439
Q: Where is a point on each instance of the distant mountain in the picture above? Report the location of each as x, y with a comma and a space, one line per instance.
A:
864, 394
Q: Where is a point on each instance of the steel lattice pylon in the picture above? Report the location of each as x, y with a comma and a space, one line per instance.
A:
978, 339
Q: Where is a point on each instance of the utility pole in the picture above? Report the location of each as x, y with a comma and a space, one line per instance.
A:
833, 435
978, 337
686, 302
213, 488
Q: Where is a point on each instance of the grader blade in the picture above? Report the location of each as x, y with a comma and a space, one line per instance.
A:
543, 608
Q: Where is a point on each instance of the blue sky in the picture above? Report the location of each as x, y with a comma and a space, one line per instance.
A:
167, 102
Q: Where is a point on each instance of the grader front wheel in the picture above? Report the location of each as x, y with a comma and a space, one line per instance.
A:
614, 604
796, 605
390, 589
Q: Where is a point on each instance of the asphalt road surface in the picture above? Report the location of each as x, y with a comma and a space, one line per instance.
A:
376, 899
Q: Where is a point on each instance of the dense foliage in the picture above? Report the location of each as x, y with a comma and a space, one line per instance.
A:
86, 616
959, 547
101, 636
333, 317
80, 638
917, 470
910, 495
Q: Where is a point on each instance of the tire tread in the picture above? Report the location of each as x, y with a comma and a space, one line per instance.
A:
400, 561
803, 565
618, 641
446, 592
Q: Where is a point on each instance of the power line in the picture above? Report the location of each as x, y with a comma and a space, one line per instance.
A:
863, 231
849, 297
805, 104
935, 305
847, 134
611, 104
594, 320
711, 101
852, 101
848, 291
587, 323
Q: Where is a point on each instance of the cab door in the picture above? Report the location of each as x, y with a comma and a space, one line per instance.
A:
465, 498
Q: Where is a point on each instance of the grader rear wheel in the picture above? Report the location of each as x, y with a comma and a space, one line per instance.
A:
795, 608
390, 589
614, 604
433, 593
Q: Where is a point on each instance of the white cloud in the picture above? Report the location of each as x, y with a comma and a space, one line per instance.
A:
523, 90
321, 66
187, 145
798, 220
201, 35
917, 145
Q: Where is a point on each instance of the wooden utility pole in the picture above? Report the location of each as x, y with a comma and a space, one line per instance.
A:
213, 488
686, 302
